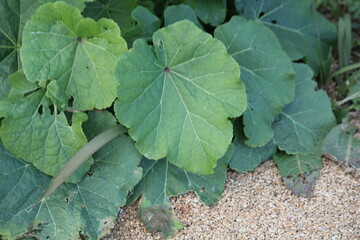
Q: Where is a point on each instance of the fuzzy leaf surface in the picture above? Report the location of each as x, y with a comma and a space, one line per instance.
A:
90, 207
300, 172
304, 123
211, 12
162, 180
266, 71
302, 31
35, 131
178, 100
342, 145
79, 53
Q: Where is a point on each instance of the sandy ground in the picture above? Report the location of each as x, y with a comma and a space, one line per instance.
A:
258, 205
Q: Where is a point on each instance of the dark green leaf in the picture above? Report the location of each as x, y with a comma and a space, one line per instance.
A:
13, 15
146, 24
247, 158
88, 208
266, 71
117, 10
180, 12
304, 123
211, 12
301, 30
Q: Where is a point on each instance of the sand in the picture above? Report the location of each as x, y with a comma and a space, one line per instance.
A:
257, 205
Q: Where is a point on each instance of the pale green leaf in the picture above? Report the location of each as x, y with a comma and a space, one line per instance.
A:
302, 31
35, 131
303, 124
146, 24
162, 180
177, 101
266, 71
211, 12
300, 172
175, 13
79, 53
117, 10
89, 208
342, 145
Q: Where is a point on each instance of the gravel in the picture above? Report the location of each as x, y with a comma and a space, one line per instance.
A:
257, 205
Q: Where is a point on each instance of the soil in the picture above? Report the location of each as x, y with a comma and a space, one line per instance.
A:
258, 205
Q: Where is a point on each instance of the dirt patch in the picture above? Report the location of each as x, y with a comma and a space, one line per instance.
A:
258, 205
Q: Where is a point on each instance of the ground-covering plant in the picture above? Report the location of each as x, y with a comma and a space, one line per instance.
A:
126, 100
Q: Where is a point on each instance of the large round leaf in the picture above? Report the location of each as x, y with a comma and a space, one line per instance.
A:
176, 96
301, 30
81, 54
266, 71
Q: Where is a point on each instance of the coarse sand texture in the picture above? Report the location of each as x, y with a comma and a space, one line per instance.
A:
258, 205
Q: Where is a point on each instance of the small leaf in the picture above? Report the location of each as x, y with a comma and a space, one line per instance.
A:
175, 13
247, 158
177, 102
211, 12
88, 208
342, 145
300, 172
162, 180
302, 31
79, 53
303, 124
266, 71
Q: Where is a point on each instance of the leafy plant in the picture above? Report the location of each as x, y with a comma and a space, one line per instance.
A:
170, 92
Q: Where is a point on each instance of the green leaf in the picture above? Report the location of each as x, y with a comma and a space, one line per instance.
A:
342, 145
162, 180
146, 24
13, 15
35, 131
117, 10
175, 13
79, 4
211, 12
79, 53
88, 208
247, 158
177, 101
300, 172
301, 30
303, 124
266, 71
99, 121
